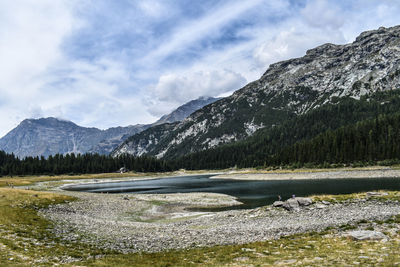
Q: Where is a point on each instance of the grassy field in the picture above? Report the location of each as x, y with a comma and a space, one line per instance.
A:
26, 239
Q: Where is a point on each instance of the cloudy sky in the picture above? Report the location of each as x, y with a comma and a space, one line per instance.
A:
105, 63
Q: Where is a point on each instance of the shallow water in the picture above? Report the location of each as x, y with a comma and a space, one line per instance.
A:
251, 193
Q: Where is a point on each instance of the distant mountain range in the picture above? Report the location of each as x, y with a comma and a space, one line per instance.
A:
49, 136
288, 89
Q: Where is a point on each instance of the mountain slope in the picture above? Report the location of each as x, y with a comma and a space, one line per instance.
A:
185, 110
291, 88
273, 146
49, 136
144, 142
107, 145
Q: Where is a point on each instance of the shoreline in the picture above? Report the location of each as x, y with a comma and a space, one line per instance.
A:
152, 223
312, 175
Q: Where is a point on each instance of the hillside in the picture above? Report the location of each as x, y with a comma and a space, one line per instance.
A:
298, 141
286, 90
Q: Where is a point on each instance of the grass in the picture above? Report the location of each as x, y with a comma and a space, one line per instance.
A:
391, 195
312, 249
310, 170
26, 238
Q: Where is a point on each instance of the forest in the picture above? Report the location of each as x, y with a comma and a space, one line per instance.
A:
344, 131
77, 164
270, 147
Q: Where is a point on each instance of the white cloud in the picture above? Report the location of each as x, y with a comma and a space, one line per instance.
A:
293, 42
323, 14
172, 89
31, 33
153, 8
196, 30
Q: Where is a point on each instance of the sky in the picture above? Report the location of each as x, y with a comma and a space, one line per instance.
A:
105, 63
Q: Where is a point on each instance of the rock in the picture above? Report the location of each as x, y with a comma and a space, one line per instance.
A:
285, 262
248, 250
320, 206
291, 204
241, 259
325, 202
278, 204
376, 194
367, 235
304, 201
363, 257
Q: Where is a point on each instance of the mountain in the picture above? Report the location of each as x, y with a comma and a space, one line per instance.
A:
344, 131
185, 110
112, 137
107, 145
286, 90
143, 142
49, 136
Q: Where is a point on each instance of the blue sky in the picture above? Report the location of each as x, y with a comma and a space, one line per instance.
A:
105, 63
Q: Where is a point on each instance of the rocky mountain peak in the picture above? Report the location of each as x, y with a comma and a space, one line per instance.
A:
185, 110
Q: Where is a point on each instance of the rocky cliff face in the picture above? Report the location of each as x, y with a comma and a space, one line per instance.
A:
287, 89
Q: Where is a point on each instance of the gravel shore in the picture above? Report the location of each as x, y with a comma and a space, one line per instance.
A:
317, 174
132, 223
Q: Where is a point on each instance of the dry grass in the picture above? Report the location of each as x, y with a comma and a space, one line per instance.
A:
391, 195
315, 249
306, 170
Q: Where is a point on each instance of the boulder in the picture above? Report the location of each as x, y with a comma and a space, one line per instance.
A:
366, 235
304, 201
320, 206
291, 204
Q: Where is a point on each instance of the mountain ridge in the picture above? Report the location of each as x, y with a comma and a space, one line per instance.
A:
289, 88
49, 136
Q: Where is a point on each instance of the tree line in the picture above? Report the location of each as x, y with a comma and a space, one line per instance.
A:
367, 141
78, 164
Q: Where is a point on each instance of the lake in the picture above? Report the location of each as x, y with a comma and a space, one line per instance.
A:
251, 193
